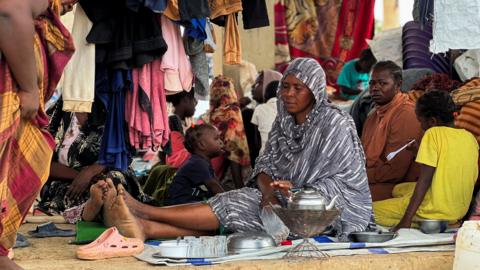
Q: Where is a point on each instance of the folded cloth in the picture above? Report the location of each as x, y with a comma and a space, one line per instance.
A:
50, 230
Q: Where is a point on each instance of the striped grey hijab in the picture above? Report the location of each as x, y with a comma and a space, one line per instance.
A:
324, 152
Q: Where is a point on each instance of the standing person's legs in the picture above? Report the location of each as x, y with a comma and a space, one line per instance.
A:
24, 168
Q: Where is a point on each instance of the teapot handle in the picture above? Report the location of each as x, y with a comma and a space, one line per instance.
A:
332, 203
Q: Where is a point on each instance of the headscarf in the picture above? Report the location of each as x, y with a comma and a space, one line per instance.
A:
226, 116
323, 152
268, 77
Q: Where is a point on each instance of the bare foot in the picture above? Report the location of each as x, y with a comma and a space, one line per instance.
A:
95, 202
7, 264
109, 199
123, 219
133, 205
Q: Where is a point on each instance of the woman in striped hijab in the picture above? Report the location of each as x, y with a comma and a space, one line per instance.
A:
312, 142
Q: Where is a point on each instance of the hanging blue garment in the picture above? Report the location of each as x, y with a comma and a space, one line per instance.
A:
196, 29
110, 87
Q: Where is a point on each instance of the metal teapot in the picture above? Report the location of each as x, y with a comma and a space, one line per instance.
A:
310, 199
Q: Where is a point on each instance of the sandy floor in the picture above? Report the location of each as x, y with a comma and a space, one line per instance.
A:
56, 253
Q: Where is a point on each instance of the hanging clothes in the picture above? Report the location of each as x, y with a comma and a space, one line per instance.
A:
157, 6
232, 46
172, 12
124, 38
332, 32
110, 88
78, 91
197, 9
254, 14
196, 28
146, 108
175, 64
423, 12
198, 58
232, 49
224, 7
211, 41
282, 51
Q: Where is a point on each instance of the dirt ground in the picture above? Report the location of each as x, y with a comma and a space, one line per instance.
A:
57, 253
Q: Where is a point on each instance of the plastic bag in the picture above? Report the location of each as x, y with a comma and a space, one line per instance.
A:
273, 225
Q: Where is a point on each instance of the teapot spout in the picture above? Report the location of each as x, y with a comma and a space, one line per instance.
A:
332, 203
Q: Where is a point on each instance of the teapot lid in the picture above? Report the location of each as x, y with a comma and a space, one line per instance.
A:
307, 193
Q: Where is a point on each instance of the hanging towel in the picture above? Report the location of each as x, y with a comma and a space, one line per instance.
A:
175, 64
110, 88
78, 89
232, 53
146, 108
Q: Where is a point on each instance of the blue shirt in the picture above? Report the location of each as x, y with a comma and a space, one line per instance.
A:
351, 78
189, 183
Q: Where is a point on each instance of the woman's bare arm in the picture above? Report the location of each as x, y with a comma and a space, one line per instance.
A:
17, 46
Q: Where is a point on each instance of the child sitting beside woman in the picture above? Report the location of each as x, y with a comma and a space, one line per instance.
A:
195, 181
448, 159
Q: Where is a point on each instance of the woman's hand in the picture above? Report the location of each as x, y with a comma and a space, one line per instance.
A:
80, 183
284, 186
404, 223
29, 103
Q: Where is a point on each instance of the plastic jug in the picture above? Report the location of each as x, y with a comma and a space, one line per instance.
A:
467, 247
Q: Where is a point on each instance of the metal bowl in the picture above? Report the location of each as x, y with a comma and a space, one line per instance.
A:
433, 226
249, 241
306, 223
372, 237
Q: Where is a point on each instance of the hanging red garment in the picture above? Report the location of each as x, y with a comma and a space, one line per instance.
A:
356, 25
333, 32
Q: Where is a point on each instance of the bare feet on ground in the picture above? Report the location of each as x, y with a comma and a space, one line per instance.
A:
133, 205
94, 204
122, 218
7, 264
110, 198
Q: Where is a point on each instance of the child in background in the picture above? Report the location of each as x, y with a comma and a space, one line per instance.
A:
448, 159
195, 180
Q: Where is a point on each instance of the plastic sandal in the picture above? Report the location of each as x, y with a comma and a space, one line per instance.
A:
110, 244
50, 230
21, 241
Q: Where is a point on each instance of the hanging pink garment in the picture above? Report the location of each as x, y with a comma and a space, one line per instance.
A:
145, 131
175, 63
